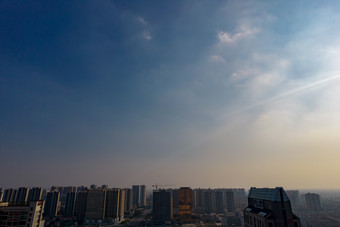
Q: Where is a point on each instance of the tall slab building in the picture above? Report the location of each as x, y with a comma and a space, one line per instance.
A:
52, 204
22, 195
185, 204
95, 204
70, 204
162, 211
112, 203
269, 207
313, 201
128, 200
35, 194
138, 195
80, 206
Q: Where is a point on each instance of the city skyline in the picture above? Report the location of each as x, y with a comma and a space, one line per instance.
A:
200, 94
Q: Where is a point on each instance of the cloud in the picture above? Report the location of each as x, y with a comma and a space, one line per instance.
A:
244, 32
217, 58
142, 20
146, 35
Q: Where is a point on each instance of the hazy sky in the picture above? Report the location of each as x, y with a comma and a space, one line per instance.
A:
189, 93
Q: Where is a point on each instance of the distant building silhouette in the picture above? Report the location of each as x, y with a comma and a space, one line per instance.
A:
198, 200
219, 208
162, 211
313, 201
93, 186
293, 196
209, 201
104, 186
240, 198
215, 200
81, 188
269, 207
230, 200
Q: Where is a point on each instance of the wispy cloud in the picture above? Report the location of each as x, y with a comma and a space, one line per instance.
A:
142, 20
216, 58
147, 35
243, 32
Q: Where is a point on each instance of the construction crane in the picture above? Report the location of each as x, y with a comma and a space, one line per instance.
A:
162, 185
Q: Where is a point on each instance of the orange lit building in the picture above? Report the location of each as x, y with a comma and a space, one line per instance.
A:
185, 204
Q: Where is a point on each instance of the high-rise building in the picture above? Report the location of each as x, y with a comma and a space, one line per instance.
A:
209, 201
240, 198
51, 204
93, 186
60, 189
313, 201
269, 207
95, 204
44, 194
9, 195
22, 215
162, 211
81, 188
35, 194
142, 195
14, 196
229, 195
121, 204
80, 206
219, 201
104, 186
198, 201
138, 195
293, 196
22, 195
70, 204
135, 195
128, 200
174, 202
1, 194
112, 203
185, 204
69, 189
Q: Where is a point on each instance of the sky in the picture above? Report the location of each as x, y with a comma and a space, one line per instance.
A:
186, 93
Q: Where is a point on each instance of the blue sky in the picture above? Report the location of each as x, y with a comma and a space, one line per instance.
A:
205, 94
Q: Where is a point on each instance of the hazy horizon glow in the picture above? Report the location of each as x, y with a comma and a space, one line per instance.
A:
204, 94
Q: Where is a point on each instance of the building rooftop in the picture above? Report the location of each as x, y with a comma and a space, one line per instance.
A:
271, 194
261, 212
